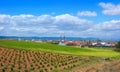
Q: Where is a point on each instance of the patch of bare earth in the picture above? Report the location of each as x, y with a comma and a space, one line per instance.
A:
105, 66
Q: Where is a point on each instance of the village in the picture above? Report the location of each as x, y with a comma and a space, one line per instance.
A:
81, 43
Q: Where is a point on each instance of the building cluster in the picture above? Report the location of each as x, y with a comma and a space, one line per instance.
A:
80, 43
88, 43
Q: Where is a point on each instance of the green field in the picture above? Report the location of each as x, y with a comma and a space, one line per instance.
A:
58, 49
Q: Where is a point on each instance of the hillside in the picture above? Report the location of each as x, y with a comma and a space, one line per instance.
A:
22, 56
57, 48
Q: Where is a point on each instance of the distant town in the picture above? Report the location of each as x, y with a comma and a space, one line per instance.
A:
67, 42
80, 43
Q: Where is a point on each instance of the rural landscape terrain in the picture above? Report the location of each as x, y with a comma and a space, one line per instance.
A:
28, 56
59, 35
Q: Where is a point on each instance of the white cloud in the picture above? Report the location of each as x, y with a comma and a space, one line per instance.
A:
1, 28
107, 29
86, 13
68, 22
47, 25
4, 19
41, 25
109, 25
110, 9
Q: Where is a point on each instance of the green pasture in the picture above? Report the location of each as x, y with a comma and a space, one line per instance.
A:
58, 49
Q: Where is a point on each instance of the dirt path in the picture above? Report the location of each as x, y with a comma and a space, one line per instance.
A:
106, 66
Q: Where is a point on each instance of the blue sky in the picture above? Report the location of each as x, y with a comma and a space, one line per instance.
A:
78, 18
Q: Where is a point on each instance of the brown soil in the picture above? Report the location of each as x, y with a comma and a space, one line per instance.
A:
105, 66
15, 60
32, 61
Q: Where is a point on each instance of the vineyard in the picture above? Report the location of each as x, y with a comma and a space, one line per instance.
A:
13, 60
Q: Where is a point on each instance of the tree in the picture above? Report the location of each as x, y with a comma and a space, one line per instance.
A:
118, 45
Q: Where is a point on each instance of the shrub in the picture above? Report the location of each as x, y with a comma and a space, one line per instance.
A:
55, 70
74, 65
3, 70
26, 70
41, 71
31, 68
45, 69
11, 69
51, 68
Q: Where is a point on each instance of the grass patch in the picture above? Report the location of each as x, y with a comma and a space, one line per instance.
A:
57, 48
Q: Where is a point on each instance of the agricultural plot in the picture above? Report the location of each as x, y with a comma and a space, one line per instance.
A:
21, 56
47, 47
15, 60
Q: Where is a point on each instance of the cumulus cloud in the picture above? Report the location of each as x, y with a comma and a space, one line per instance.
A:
4, 19
87, 13
110, 9
47, 25
1, 28
112, 25
107, 29
41, 25
68, 22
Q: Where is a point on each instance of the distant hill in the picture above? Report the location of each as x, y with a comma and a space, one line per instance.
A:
46, 38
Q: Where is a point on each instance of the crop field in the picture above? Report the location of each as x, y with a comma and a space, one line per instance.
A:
22, 56
13, 60
57, 48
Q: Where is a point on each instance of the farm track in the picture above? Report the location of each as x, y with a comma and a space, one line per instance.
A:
112, 66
